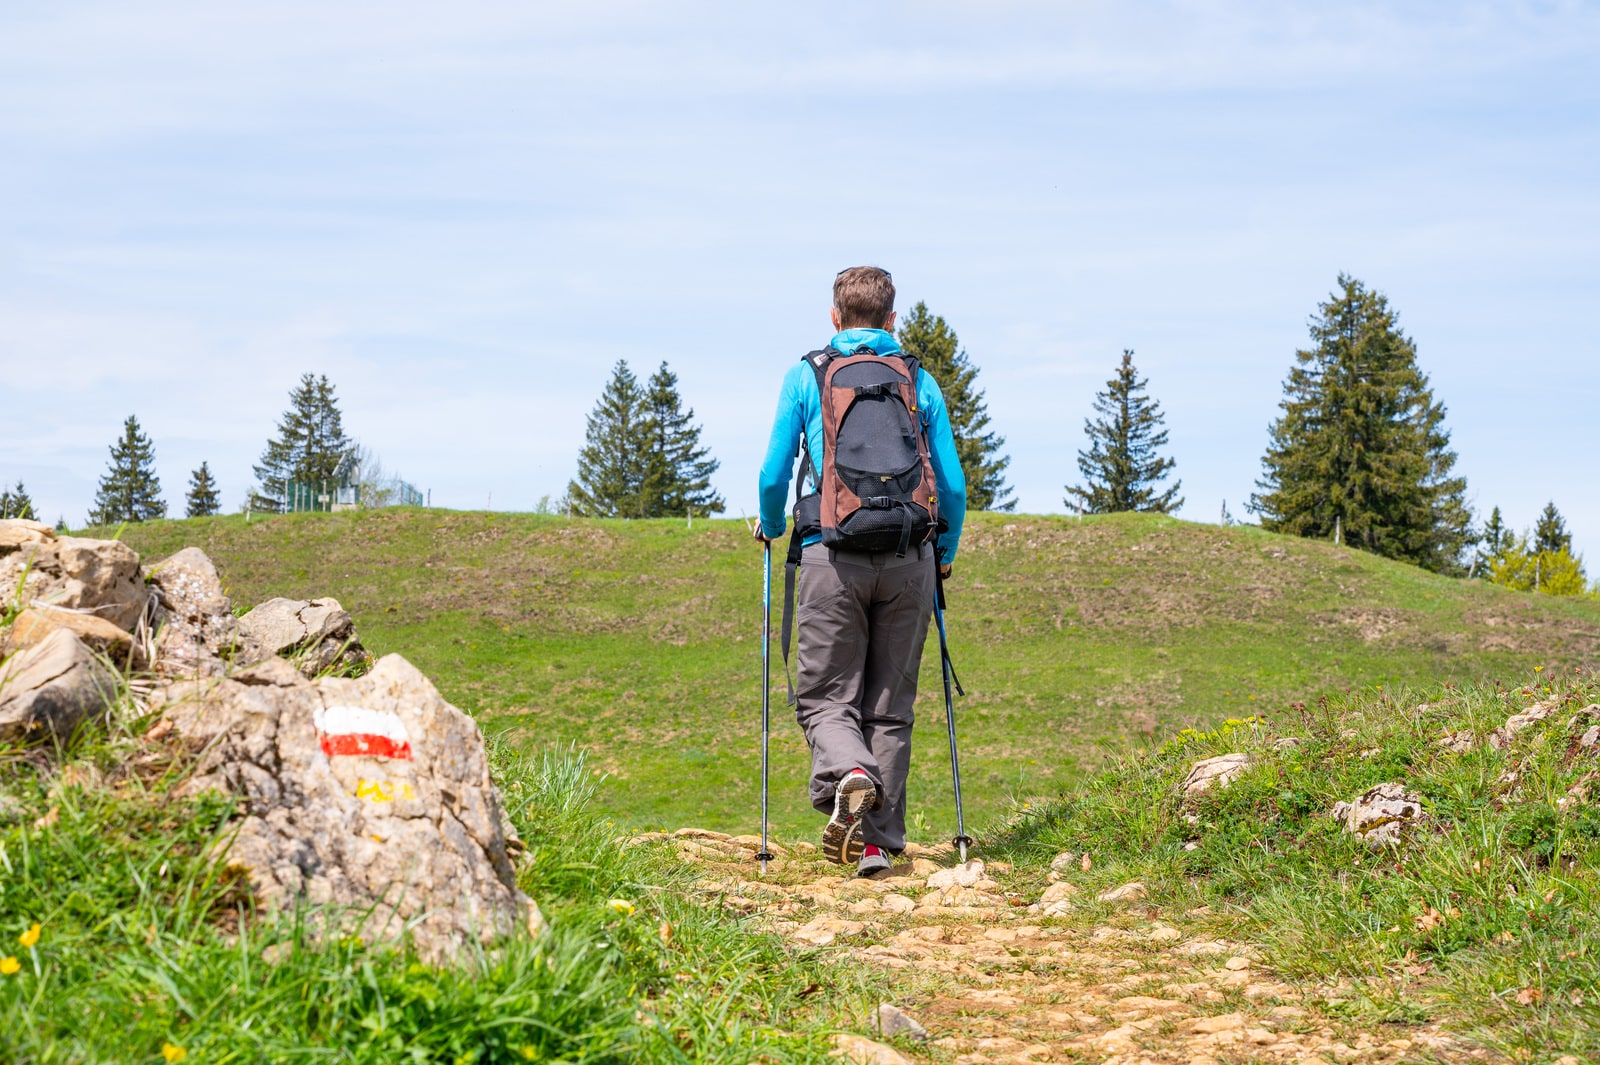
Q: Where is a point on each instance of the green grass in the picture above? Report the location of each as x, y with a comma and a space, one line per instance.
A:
1496, 896
143, 945
640, 641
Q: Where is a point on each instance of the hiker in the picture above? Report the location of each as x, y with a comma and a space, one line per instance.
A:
871, 542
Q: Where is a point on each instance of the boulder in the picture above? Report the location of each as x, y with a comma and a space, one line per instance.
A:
1381, 814
370, 796
103, 638
1218, 772
99, 577
318, 634
16, 533
197, 626
52, 688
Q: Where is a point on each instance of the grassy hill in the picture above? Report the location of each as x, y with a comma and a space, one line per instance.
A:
640, 640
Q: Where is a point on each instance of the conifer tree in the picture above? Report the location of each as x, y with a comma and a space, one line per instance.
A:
1361, 446
308, 448
1122, 470
928, 338
1549, 532
130, 490
202, 498
679, 476
16, 503
616, 460
61, 525
1495, 533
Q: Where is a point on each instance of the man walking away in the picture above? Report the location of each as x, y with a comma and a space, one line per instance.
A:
872, 432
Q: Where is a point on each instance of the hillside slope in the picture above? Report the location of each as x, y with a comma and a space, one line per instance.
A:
640, 640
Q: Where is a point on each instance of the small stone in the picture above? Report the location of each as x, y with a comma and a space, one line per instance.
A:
1218, 772
862, 1051
1058, 893
1236, 963
50, 689
893, 1021
1287, 743
821, 931
1065, 862
896, 904
1459, 742
1381, 815
1213, 1025
1165, 934
924, 867
1129, 892
964, 876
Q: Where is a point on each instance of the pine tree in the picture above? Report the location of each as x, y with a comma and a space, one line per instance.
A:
1549, 532
61, 525
616, 460
202, 498
1361, 445
130, 490
307, 450
679, 477
928, 338
1122, 469
1495, 534
17, 503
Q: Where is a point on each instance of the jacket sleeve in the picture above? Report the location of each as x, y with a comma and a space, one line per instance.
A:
778, 466
948, 477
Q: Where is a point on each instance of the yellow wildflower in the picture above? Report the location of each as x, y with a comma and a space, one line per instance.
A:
622, 906
173, 1053
31, 936
9, 966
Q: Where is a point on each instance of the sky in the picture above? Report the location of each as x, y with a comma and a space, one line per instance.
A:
465, 214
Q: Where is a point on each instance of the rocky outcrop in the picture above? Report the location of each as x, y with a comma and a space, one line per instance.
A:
318, 634
1381, 815
17, 533
368, 796
51, 688
197, 629
99, 577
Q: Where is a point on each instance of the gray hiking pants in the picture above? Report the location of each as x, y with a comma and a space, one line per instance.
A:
863, 619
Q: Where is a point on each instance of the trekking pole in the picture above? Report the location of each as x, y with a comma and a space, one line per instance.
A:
766, 691
962, 840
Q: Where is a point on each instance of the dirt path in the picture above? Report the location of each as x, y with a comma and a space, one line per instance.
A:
1000, 973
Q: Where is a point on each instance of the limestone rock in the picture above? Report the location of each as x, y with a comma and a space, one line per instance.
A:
1381, 815
99, 577
52, 688
957, 876
1287, 743
18, 532
99, 635
319, 634
1501, 737
370, 795
1218, 772
893, 1021
1065, 862
198, 628
821, 931
862, 1051
1459, 742
1129, 892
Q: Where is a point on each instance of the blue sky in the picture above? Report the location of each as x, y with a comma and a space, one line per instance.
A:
465, 214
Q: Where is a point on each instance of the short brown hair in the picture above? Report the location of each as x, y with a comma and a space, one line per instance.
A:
864, 296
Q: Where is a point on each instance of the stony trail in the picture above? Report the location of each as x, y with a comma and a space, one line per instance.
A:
999, 970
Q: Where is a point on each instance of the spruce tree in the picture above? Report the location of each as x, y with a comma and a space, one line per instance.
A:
130, 490
1121, 469
1549, 532
928, 338
1361, 446
679, 477
16, 503
307, 450
61, 525
1495, 534
202, 498
616, 460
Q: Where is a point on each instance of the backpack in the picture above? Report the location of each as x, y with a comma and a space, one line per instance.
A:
877, 490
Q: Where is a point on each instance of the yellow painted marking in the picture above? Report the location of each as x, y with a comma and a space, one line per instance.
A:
383, 790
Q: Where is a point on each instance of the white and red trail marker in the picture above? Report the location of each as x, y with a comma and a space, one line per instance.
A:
353, 730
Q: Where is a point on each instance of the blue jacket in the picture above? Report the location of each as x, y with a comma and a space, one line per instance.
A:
800, 407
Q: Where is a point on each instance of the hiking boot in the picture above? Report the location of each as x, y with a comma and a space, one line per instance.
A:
841, 838
873, 860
